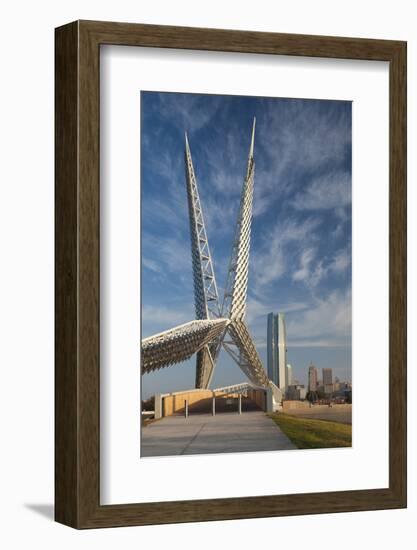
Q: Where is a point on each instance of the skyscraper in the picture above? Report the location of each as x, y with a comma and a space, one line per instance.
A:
312, 377
272, 348
277, 349
328, 380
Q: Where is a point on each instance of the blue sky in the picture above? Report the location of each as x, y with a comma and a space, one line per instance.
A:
301, 228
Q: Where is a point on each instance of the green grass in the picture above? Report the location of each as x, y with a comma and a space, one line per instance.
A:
313, 434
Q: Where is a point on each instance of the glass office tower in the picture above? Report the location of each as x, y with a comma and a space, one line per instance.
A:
277, 349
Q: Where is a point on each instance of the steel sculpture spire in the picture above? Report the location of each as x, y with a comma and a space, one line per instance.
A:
240, 345
214, 325
206, 297
234, 301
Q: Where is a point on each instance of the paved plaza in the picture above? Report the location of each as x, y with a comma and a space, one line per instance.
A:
204, 434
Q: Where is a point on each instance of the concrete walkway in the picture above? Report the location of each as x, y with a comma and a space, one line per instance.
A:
204, 434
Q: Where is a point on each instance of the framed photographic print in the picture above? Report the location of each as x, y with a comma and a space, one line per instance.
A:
230, 274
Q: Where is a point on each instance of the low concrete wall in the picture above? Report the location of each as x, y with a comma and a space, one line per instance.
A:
258, 396
295, 405
174, 403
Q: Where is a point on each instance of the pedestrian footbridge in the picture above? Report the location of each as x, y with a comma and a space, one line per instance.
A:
236, 398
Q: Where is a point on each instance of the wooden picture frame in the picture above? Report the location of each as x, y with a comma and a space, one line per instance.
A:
77, 359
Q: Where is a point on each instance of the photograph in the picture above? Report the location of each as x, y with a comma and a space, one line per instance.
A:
209, 266
246, 286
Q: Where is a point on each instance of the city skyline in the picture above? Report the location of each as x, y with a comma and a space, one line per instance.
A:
300, 250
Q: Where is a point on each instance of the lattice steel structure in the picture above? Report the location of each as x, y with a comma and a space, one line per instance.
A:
215, 325
234, 300
206, 297
179, 343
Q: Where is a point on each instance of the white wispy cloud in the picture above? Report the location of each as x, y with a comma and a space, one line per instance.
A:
173, 213
219, 216
328, 321
307, 256
159, 318
229, 150
151, 265
340, 261
311, 140
318, 322
185, 110
333, 190
271, 262
313, 270
166, 164
298, 144
257, 309
169, 254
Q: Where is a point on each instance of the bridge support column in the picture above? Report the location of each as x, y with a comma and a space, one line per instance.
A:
186, 408
158, 406
213, 406
240, 404
269, 404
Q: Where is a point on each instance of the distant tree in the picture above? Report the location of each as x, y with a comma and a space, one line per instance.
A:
148, 404
312, 396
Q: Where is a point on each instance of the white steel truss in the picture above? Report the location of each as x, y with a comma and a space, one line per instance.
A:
242, 349
240, 346
206, 297
179, 343
234, 300
214, 325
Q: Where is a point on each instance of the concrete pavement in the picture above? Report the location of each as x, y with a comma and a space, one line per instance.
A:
205, 434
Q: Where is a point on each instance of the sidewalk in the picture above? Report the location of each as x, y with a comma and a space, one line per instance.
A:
204, 434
